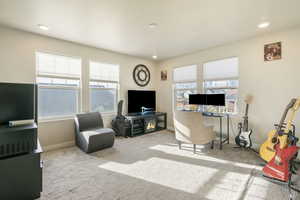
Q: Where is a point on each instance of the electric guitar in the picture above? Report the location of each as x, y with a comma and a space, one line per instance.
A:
279, 135
243, 138
279, 167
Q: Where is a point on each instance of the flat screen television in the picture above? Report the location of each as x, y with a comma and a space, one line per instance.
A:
141, 98
207, 99
16, 102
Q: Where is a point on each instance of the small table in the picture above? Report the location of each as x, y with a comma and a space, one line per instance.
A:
220, 116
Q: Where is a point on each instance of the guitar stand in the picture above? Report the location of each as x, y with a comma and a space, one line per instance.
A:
290, 185
246, 148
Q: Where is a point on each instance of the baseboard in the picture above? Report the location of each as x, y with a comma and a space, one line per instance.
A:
58, 146
171, 128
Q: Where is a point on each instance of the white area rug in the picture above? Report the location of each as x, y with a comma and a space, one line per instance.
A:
151, 167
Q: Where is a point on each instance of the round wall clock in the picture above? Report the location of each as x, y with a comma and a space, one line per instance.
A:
141, 75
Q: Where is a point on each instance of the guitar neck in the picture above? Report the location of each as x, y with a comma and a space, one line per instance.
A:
247, 108
292, 116
245, 124
281, 122
289, 123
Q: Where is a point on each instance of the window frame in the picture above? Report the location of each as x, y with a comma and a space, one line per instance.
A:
174, 90
117, 89
235, 78
66, 77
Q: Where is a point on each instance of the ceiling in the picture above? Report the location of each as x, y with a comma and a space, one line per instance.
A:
184, 26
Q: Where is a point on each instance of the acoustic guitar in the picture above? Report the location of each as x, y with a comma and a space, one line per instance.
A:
243, 138
280, 134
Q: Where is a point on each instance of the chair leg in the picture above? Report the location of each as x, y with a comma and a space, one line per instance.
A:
194, 148
179, 144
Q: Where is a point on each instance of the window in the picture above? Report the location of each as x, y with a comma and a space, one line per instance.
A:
184, 83
221, 76
58, 78
104, 84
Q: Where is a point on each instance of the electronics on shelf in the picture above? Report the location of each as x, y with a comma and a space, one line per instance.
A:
20, 152
141, 117
20, 122
139, 100
18, 135
146, 123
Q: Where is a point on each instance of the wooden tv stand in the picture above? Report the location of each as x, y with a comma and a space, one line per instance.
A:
146, 123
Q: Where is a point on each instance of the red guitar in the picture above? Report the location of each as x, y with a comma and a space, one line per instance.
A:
279, 167
286, 150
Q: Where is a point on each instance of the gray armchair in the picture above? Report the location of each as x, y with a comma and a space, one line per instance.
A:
90, 135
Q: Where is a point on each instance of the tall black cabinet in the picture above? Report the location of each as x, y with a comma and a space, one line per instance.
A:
21, 176
20, 151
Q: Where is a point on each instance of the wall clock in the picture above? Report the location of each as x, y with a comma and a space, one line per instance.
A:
141, 75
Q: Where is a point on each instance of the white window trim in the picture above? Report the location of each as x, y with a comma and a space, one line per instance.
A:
174, 89
117, 98
108, 114
61, 76
61, 117
217, 88
47, 75
56, 118
221, 79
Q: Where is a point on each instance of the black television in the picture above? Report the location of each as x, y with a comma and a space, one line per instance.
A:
207, 99
17, 102
141, 98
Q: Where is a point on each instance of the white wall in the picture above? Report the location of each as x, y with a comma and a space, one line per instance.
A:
17, 64
272, 84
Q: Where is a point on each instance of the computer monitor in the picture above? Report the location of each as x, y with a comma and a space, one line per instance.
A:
215, 99
207, 99
197, 99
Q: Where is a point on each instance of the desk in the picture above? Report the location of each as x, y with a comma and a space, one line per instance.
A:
220, 116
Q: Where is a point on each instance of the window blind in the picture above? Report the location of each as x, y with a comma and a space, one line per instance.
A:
49, 64
221, 69
104, 72
185, 74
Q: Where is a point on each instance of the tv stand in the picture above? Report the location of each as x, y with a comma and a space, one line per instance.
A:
148, 122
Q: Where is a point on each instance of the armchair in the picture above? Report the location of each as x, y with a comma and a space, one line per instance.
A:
189, 128
90, 135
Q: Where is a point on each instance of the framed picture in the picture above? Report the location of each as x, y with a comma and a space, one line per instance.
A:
273, 51
164, 75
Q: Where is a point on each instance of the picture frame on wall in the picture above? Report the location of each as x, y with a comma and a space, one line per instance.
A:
164, 75
272, 51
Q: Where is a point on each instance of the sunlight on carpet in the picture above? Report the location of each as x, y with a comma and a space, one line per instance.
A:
172, 174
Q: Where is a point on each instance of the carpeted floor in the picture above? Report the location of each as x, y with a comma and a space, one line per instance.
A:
151, 167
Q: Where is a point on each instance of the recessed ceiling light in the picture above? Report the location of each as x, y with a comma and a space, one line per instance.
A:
152, 25
263, 25
154, 57
43, 27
